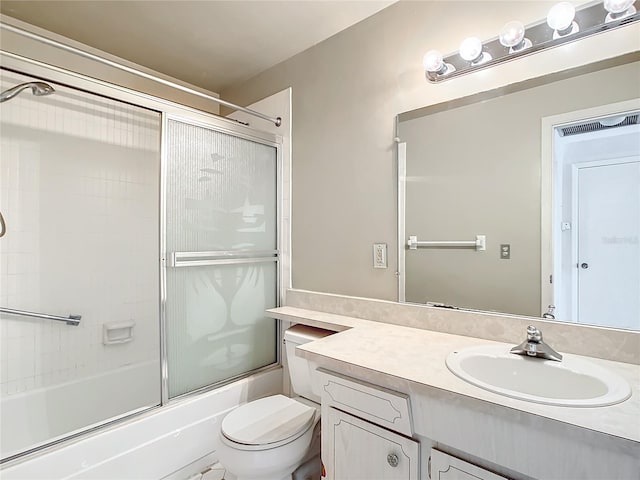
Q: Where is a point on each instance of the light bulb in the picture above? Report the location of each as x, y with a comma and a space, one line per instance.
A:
512, 36
617, 6
471, 49
618, 9
434, 65
433, 62
560, 18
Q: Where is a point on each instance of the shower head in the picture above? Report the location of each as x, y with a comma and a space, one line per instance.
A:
37, 88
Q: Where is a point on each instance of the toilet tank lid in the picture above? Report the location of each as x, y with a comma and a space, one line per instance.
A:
267, 420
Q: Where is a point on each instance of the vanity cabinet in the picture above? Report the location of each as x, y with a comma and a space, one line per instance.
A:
359, 450
366, 432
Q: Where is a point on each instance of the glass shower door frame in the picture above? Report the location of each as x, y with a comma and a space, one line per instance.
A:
167, 109
182, 259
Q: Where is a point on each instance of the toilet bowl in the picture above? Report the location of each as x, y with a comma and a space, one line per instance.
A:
268, 438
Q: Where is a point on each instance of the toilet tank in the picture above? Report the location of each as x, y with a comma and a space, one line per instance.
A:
301, 371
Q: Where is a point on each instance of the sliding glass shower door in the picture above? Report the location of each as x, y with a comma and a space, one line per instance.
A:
221, 255
79, 193
94, 191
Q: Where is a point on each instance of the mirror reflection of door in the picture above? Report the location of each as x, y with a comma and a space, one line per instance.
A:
597, 183
608, 267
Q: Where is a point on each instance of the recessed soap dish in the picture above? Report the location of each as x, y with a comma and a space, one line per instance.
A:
117, 332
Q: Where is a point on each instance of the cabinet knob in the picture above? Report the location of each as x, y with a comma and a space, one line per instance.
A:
392, 459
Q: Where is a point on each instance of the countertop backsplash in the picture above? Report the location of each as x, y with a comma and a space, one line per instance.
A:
599, 342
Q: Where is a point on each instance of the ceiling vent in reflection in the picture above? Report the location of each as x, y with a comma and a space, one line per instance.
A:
603, 124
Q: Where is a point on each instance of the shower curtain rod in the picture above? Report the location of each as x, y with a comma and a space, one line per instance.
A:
38, 38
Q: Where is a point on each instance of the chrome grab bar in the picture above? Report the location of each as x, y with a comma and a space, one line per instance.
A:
480, 243
219, 257
70, 320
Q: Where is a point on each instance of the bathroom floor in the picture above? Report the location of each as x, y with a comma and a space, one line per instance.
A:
214, 472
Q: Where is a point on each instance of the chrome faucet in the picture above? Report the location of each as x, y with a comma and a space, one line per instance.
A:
533, 346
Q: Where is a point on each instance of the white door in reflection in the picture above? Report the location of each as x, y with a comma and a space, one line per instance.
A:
607, 273
596, 222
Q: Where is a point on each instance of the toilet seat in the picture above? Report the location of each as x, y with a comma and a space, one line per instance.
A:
267, 423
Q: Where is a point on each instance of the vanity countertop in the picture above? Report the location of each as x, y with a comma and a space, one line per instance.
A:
378, 351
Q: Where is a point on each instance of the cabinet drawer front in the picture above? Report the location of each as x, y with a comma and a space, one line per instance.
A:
358, 450
378, 405
446, 467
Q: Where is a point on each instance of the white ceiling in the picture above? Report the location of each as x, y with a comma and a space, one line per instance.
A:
211, 44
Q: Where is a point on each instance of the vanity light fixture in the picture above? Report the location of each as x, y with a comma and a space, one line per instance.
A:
564, 23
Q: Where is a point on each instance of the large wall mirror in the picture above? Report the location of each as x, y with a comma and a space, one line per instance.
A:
526, 200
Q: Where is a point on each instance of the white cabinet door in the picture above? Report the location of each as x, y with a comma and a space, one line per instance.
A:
446, 467
353, 449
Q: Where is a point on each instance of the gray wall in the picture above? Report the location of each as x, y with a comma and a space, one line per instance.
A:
476, 170
346, 93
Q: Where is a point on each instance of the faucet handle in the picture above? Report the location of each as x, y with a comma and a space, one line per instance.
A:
549, 313
534, 334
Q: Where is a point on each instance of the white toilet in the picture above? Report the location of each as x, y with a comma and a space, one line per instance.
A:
268, 439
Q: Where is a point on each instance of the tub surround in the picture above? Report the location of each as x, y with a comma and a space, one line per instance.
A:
461, 416
591, 341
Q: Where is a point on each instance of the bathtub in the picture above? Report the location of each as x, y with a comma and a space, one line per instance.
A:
41, 415
170, 442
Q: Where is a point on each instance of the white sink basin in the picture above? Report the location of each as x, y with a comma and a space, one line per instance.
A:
573, 382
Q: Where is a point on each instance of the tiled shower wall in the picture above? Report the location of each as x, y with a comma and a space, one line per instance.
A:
79, 190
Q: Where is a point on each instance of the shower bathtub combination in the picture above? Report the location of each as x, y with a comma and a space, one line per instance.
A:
139, 249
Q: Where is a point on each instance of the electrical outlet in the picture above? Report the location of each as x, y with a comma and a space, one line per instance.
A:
379, 255
505, 251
